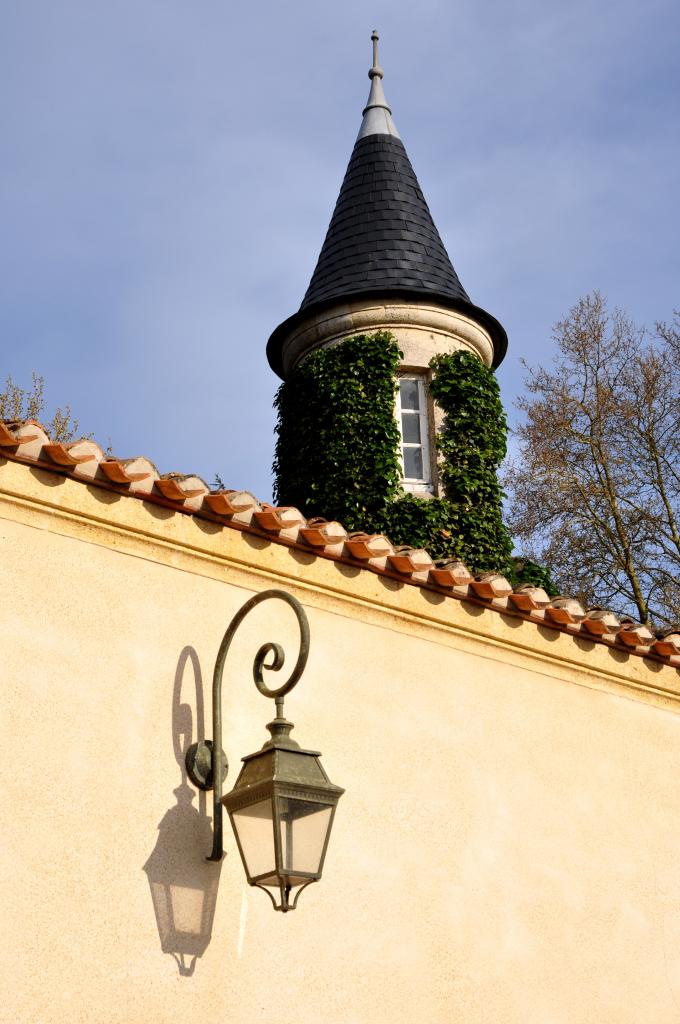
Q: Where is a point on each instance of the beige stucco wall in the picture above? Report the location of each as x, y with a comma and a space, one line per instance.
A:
506, 850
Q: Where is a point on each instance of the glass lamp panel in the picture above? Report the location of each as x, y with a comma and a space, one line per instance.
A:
410, 427
303, 827
254, 827
408, 393
413, 463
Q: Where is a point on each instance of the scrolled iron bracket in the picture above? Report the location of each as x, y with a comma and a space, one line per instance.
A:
206, 762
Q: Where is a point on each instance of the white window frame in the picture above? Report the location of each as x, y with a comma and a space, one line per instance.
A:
425, 484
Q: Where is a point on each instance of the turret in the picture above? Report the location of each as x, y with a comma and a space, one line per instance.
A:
383, 267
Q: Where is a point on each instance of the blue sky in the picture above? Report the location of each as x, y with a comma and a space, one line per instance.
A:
168, 171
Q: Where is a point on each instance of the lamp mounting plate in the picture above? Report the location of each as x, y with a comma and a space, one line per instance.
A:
199, 764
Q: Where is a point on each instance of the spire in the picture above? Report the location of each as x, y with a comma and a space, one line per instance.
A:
382, 241
381, 237
377, 114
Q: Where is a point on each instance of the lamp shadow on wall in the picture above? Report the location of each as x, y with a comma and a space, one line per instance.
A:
183, 883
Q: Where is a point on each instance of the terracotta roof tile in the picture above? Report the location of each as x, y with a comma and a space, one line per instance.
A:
89, 457
188, 489
8, 437
600, 621
451, 573
634, 634
28, 442
330, 537
529, 598
284, 522
667, 646
127, 471
371, 548
29, 437
72, 454
237, 506
565, 611
413, 562
491, 586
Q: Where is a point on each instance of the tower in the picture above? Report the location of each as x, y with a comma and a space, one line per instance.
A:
383, 267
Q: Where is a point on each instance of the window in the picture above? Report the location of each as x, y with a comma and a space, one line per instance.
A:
413, 424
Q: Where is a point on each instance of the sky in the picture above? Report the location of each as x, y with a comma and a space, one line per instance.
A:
168, 171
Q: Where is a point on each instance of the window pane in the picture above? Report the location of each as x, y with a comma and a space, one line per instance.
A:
303, 827
255, 829
413, 463
410, 427
408, 390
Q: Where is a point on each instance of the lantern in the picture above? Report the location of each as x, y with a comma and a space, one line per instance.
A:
283, 804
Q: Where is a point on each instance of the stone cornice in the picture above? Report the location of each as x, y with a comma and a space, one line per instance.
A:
442, 329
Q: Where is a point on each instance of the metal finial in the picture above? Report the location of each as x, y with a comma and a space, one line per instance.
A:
376, 71
377, 114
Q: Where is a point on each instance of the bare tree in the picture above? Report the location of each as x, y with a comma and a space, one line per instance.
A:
595, 491
17, 403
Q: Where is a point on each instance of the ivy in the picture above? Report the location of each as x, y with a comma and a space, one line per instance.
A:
337, 453
523, 570
337, 449
472, 445
421, 523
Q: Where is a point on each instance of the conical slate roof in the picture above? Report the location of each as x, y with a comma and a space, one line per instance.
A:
382, 237
382, 240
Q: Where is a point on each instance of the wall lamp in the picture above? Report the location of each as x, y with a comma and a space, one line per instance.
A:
283, 804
